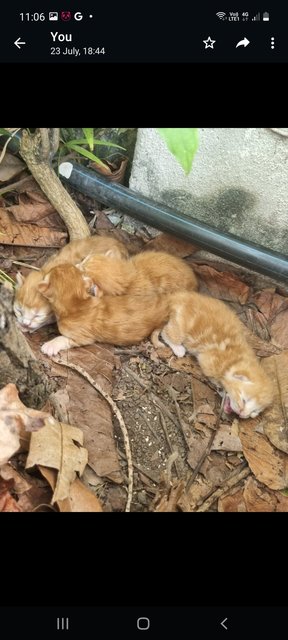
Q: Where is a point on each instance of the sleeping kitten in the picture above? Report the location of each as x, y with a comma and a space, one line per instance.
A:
31, 309
83, 319
208, 329
144, 273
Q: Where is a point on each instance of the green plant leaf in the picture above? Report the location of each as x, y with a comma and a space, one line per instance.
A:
183, 143
5, 278
100, 142
87, 154
89, 135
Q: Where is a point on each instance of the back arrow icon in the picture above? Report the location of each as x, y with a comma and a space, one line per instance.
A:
243, 43
18, 42
223, 623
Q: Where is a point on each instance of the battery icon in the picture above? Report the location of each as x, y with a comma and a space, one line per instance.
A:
265, 16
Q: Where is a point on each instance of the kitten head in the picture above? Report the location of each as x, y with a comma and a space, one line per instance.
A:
65, 287
31, 309
248, 393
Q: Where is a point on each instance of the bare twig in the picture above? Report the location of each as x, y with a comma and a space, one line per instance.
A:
55, 139
24, 264
183, 425
172, 449
207, 449
6, 143
171, 460
45, 144
15, 185
119, 417
136, 377
235, 477
163, 408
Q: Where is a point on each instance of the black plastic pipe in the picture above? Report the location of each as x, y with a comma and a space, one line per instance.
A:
160, 216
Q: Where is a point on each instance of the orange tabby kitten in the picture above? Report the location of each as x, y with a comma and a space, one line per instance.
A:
208, 329
144, 273
31, 309
83, 319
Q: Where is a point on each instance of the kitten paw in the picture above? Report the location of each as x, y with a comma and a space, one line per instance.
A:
52, 347
178, 349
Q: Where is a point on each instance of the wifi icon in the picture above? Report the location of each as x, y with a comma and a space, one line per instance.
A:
221, 15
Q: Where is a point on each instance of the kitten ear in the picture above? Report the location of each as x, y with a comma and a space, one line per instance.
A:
19, 280
44, 285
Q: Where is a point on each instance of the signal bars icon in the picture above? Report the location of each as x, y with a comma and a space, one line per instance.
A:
221, 15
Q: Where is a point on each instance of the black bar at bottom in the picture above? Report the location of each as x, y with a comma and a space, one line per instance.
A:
144, 622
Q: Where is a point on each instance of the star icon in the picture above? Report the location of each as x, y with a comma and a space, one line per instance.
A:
209, 43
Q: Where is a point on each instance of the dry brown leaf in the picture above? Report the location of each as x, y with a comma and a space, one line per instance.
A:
11, 405
28, 234
215, 470
55, 446
270, 303
253, 497
167, 498
261, 347
232, 502
274, 420
227, 438
257, 497
7, 502
221, 284
269, 465
16, 420
80, 498
197, 492
110, 171
81, 404
279, 330
27, 211
257, 324
36, 499
170, 244
9, 440
197, 446
10, 167
21, 485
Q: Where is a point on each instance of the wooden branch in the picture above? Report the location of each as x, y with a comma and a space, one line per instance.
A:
44, 174
45, 145
54, 141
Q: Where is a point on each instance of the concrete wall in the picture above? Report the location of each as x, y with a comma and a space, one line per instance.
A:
238, 182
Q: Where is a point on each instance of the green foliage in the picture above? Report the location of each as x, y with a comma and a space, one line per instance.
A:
89, 135
91, 142
183, 143
5, 278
